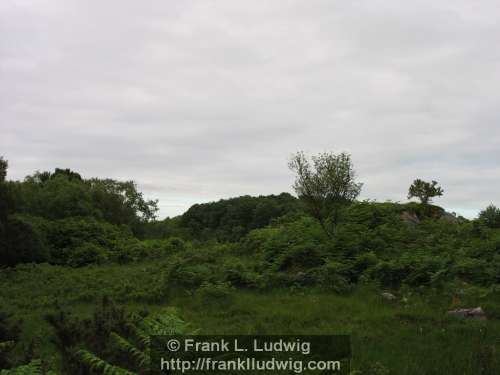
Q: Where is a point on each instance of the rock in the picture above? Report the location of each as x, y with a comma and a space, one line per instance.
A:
410, 218
388, 296
475, 313
449, 217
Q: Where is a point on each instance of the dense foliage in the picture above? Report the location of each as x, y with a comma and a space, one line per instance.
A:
490, 217
64, 194
424, 190
231, 219
62, 218
326, 184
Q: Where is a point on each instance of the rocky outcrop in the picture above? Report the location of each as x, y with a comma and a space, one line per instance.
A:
450, 218
388, 296
410, 218
474, 313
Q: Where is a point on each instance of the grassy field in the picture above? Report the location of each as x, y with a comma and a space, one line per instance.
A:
412, 335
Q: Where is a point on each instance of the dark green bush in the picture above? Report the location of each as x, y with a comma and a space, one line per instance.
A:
389, 273
23, 241
88, 253
333, 276
490, 217
299, 258
231, 219
363, 262
215, 293
66, 235
478, 271
422, 269
240, 274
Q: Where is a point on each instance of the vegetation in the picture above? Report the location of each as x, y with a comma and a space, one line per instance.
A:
490, 217
87, 273
231, 219
424, 191
326, 186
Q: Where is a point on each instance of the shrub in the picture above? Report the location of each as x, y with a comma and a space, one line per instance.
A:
363, 262
215, 293
333, 276
389, 273
132, 251
23, 241
238, 273
176, 244
88, 253
299, 258
421, 269
271, 243
490, 217
190, 270
350, 239
474, 270
68, 234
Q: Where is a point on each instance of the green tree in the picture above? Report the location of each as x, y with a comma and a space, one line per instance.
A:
121, 203
4, 203
3, 192
424, 191
3, 169
64, 193
21, 242
230, 219
326, 185
490, 216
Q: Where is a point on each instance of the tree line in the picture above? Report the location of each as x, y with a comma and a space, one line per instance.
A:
61, 217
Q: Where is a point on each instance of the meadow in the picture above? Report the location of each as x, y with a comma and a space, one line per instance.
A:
412, 335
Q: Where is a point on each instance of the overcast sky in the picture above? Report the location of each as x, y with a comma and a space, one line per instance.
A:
200, 100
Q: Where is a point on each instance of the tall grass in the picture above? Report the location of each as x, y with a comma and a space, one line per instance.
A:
409, 338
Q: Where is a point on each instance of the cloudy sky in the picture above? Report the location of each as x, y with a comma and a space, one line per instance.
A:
199, 100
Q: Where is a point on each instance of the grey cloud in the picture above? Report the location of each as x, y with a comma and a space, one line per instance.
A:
199, 100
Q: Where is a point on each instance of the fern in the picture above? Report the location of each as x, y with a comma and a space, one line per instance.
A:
98, 365
140, 330
33, 368
142, 337
141, 358
164, 325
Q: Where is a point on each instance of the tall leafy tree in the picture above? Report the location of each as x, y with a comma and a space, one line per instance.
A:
3, 189
6, 199
326, 184
424, 190
19, 241
64, 193
119, 202
3, 198
3, 169
490, 216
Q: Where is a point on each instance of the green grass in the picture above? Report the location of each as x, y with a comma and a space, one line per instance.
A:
408, 338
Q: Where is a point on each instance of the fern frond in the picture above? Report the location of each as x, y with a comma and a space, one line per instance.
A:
141, 358
164, 324
97, 364
33, 368
138, 333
